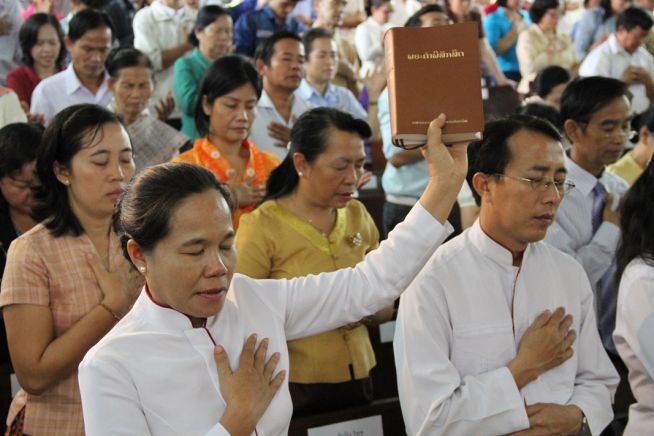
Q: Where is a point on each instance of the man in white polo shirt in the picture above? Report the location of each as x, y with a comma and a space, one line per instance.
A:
623, 56
279, 60
85, 80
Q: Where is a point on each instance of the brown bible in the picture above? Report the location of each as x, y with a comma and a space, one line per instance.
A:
434, 70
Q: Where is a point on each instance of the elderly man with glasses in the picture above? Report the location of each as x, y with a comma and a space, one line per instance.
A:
597, 115
497, 334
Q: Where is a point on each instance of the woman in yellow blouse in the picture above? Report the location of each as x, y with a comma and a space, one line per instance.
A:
634, 162
228, 97
310, 224
541, 45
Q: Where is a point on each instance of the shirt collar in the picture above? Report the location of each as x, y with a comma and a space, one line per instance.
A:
583, 180
491, 248
269, 12
73, 83
306, 90
162, 12
198, 56
264, 100
615, 46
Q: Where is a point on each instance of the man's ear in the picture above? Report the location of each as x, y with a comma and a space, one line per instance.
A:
573, 130
481, 185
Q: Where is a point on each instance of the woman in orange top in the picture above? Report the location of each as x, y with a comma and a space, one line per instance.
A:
225, 113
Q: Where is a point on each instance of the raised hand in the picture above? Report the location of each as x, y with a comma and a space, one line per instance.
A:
165, 106
279, 132
246, 191
546, 344
249, 390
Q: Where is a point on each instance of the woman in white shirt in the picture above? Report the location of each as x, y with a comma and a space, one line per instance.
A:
176, 363
635, 313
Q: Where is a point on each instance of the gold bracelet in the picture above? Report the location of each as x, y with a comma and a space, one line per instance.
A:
108, 309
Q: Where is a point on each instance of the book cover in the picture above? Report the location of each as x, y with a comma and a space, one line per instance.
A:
433, 70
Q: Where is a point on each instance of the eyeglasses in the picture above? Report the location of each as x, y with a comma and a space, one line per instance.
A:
543, 184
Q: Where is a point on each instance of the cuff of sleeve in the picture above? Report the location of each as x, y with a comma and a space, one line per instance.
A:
512, 404
597, 422
608, 236
217, 430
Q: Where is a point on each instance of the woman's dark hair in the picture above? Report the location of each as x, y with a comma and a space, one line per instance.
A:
126, 57
144, 211
310, 136
636, 218
492, 154
414, 20
543, 111
72, 129
28, 36
548, 78
539, 8
608, 10
222, 77
585, 96
18, 145
206, 16
87, 20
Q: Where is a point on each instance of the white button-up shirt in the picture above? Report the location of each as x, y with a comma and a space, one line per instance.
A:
335, 96
65, 89
266, 114
610, 60
460, 323
153, 374
634, 325
158, 28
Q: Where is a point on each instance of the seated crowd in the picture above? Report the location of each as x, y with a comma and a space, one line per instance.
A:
188, 243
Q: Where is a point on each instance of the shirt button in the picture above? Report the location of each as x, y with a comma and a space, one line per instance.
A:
215, 154
250, 172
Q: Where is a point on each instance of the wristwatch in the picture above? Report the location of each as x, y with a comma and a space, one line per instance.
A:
585, 428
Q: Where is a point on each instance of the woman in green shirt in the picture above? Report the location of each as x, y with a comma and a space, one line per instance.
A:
212, 37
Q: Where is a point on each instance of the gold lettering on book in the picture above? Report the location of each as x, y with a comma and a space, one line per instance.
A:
435, 54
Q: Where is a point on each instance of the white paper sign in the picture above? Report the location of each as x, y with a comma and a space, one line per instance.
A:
370, 426
386, 332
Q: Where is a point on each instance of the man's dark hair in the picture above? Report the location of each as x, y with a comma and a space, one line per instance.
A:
311, 35
548, 78
539, 8
414, 20
634, 17
266, 48
87, 20
492, 154
585, 96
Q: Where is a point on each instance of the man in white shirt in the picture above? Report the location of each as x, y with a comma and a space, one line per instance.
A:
85, 80
279, 60
623, 56
161, 32
368, 35
482, 346
597, 119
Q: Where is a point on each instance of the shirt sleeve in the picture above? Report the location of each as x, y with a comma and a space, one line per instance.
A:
252, 246
12, 112
185, 86
145, 38
595, 256
25, 279
596, 379
244, 36
18, 82
435, 399
41, 102
367, 48
317, 303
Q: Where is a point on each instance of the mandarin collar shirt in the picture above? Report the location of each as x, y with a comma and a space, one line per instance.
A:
154, 374
266, 114
65, 89
611, 60
460, 323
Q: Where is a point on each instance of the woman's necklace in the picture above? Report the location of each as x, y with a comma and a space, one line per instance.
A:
305, 217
